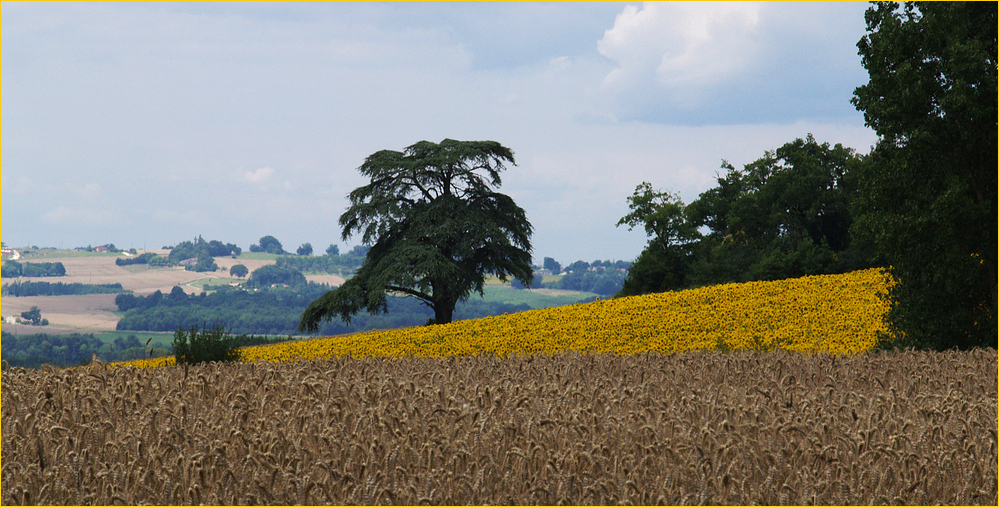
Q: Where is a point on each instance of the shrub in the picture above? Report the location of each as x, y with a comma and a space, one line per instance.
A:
214, 343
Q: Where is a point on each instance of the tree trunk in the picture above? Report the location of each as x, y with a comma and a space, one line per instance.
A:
443, 313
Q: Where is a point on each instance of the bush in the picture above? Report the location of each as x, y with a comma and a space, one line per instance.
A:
214, 343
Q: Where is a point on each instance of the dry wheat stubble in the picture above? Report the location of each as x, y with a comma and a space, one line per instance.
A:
709, 428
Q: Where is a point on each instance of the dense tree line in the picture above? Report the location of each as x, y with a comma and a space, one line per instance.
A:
785, 215
274, 311
929, 191
331, 263
270, 275
34, 350
268, 244
146, 258
203, 251
63, 350
14, 269
270, 311
28, 288
605, 282
600, 277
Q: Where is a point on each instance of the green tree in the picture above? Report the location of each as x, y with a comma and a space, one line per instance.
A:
786, 214
268, 244
332, 250
239, 270
436, 228
305, 249
34, 315
552, 265
928, 194
265, 276
665, 262
214, 343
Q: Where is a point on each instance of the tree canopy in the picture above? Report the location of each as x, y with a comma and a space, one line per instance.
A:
784, 215
239, 270
436, 228
664, 264
268, 244
928, 194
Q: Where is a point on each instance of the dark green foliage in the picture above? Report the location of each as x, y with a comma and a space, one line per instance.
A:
436, 229
203, 251
535, 283
214, 343
552, 265
269, 311
127, 349
928, 194
34, 350
305, 249
28, 288
268, 244
665, 262
14, 269
205, 263
219, 249
34, 316
126, 302
785, 215
334, 264
239, 270
605, 282
139, 259
266, 276
657, 269
275, 311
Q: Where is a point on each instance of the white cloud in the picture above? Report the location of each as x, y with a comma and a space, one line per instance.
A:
258, 176
682, 48
223, 93
91, 189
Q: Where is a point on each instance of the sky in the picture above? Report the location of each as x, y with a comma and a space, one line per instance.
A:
147, 124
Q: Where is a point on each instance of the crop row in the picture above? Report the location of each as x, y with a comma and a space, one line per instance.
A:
706, 428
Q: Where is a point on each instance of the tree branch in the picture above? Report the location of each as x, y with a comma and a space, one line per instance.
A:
411, 292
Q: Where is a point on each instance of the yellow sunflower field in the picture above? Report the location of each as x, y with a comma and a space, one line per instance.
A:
840, 314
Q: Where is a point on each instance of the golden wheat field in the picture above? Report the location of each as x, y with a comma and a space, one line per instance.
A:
743, 427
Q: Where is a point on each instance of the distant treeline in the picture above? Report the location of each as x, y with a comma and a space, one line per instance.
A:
605, 282
274, 311
14, 269
201, 253
332, 263
63, 350
28, 288
600, 277
146, 258
34, 350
